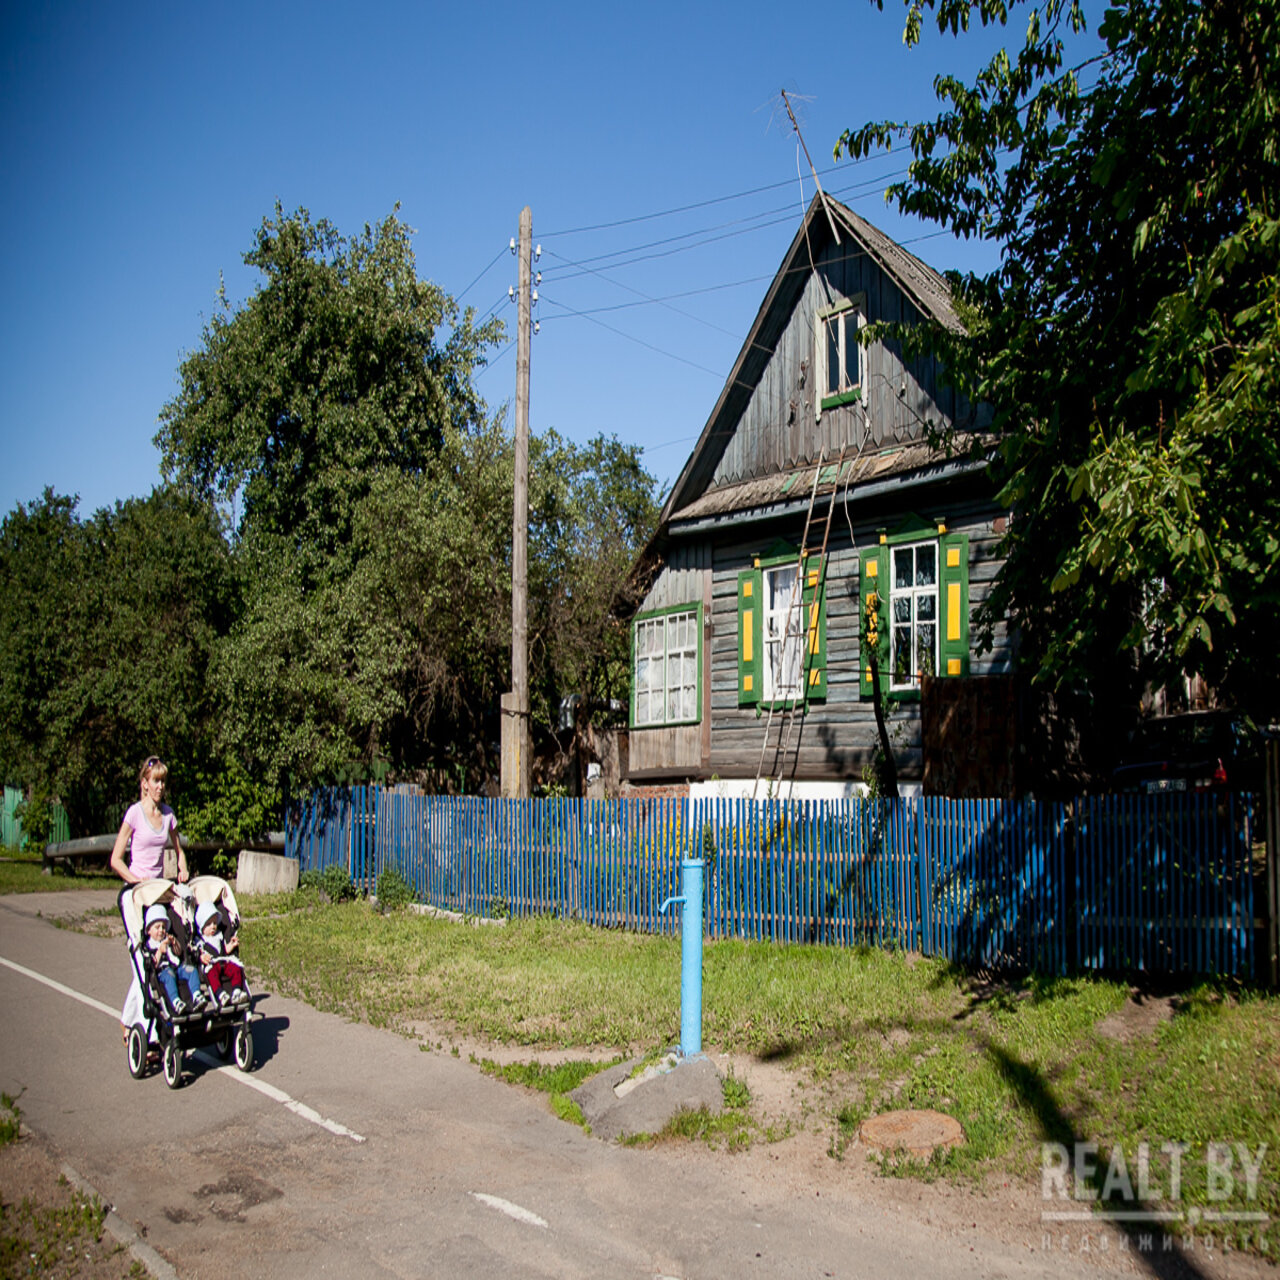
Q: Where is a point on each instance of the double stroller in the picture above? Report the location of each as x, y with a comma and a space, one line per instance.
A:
155, 1019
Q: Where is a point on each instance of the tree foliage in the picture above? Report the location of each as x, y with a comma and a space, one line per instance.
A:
1127, 339
404, 658
331, 372
107, 627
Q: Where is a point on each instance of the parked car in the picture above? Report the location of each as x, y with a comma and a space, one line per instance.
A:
1196, 751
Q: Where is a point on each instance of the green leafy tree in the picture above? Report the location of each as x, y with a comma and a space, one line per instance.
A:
107, 627
331, 372
1127, 339
42, 548
592, 509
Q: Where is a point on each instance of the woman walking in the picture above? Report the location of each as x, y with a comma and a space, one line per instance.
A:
149, 827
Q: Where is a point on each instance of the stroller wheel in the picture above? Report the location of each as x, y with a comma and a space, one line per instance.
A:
137, 1050
172, 1064
244, 1047
222, 1045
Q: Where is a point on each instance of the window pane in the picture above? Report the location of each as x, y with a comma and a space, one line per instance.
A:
928, 643
901, 653
926, 606
642, 706
791, 664
780, 583
903, 560
902, 608
926, 566
833, 355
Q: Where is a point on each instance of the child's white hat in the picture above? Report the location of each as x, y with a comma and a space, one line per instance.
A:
205, 912
156, 912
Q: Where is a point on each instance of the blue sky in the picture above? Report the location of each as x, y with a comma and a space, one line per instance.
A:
143, 143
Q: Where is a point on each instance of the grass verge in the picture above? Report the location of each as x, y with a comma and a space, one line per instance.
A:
20, 872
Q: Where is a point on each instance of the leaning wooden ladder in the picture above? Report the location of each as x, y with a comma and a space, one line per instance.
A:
790, 708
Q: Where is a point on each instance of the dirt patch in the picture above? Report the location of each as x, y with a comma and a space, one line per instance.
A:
1138, 1018
43, 1227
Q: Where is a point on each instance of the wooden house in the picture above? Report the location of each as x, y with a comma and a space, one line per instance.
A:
815, 522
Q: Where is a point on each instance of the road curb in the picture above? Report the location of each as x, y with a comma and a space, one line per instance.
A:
123, 1232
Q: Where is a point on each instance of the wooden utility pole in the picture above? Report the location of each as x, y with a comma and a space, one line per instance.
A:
516, 744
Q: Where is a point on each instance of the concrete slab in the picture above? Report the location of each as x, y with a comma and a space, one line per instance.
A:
265, 873
617, 1103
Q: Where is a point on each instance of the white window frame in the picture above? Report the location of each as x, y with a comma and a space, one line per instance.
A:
915, 602
666, 665
783, 631
846, 319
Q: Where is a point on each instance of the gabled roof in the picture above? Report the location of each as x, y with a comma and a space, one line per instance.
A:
919, 282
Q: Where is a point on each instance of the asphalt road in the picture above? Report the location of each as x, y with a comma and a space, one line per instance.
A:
360, 1155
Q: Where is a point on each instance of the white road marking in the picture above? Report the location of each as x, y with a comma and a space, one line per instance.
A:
277, 1095
57, 986
267, 1090
511, 1210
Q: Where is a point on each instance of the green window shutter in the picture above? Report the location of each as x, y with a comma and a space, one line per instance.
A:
953, 552
815, 621
750, 640
873, 625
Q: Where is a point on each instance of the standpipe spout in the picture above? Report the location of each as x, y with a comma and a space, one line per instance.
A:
691, 957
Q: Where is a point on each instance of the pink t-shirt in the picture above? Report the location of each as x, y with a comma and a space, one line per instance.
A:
146, 849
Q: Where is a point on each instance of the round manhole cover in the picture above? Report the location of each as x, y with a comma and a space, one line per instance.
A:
919, 1133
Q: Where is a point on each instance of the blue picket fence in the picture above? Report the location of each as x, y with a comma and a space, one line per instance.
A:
1158, 884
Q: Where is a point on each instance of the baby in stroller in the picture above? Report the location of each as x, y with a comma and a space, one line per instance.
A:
167, 963
163, 1008
222, 969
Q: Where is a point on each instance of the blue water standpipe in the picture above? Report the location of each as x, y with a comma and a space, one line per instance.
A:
690, 956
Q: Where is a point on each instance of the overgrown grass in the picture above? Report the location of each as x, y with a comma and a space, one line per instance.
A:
1019, 1064
558, 1081
20, 872
10, 1120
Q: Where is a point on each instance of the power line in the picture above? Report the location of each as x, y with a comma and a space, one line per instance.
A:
699, 204
481, 276
782, 213
631, 338
687, 293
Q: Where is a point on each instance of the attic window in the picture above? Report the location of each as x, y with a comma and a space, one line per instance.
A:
840, 359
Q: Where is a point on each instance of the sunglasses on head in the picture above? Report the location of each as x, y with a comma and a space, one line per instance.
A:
152, 761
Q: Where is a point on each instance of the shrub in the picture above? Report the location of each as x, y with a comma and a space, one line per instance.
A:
393, 892
225, 865
333, 883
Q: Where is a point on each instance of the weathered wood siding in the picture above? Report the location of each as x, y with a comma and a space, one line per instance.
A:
778, 429
682, 750
835, 737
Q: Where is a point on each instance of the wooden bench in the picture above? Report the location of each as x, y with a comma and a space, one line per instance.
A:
98, 849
